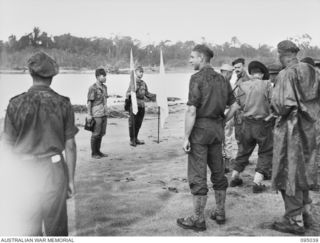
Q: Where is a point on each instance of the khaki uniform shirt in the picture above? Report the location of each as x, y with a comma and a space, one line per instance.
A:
254, 98
98, 95
141, 92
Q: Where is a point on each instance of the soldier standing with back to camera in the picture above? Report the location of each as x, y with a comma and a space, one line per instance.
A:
209, 94
39, 126
253, 98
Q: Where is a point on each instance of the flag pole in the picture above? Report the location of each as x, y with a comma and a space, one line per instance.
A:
158, 124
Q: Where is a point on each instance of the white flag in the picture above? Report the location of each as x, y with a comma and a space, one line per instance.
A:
162, 100
133, 86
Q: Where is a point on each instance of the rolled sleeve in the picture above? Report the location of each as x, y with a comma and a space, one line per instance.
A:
70, 128
194, 97
150, 95
91, 94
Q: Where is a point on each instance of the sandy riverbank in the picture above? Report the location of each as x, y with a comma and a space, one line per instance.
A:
142, 191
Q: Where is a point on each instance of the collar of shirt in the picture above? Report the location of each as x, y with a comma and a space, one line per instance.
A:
292, 62
40, 88
99, 85
206, 66
139, 80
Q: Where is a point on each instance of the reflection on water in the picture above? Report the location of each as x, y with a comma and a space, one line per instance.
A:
75, 86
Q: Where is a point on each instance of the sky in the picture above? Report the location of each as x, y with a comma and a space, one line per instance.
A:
150, 21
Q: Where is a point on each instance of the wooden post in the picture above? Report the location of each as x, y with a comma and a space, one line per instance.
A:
158, 124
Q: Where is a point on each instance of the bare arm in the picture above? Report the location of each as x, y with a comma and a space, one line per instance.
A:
149, 95
128, 92
190, 119
89, 108
71, 158
234, 107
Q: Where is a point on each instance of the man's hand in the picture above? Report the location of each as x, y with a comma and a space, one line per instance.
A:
89, 118
71, 158
71, 190
186, 146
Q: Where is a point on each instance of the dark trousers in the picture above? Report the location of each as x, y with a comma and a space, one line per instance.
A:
135, 120
255, 132
294, 204
238, 120
206, 150
40, 197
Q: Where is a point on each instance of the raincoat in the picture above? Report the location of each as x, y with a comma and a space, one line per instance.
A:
295, 99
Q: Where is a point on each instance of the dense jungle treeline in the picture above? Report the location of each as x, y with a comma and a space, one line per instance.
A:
77, 53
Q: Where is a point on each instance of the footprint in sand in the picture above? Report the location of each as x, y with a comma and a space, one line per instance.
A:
157, 182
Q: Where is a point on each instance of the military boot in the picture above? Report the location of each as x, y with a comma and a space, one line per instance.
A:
307, 216
219, 214
235, 180
293, 225
99, 140
139, 142
132, 136
258, 187
195, 222
94, 148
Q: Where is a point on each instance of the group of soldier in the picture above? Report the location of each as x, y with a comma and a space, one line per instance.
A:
279, 114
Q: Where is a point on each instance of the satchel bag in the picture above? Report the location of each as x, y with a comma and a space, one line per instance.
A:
89, 125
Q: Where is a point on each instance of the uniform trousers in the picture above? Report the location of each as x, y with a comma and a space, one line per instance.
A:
206, 150
294, 204
255, 132
135, 122
38, 198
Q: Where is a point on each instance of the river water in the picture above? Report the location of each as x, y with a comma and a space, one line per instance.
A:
75, 86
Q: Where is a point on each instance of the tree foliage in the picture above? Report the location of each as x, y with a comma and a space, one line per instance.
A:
78, 52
